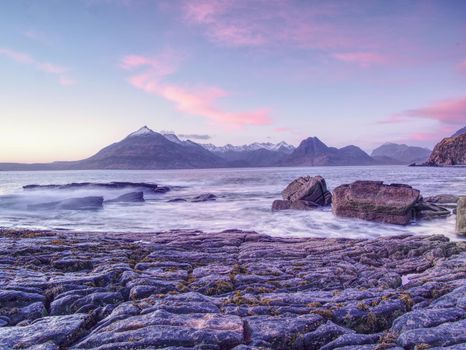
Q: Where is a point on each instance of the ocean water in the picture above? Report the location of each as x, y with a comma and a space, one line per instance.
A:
244, 201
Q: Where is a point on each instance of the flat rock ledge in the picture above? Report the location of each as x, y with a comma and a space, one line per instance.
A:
230, 290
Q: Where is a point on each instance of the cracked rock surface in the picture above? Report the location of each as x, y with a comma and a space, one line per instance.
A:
230, 290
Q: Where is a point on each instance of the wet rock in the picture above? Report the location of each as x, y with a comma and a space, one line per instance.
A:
83, 203
164, 329
429, 211
161, 189
279, 332
312, 189
323, 335
461, 216
297, 205
352, 340
427, 318
375, 201
446, 334
143, 291
132, 197
52, 330
177, 200
304, 193
148, 187
205, 197
442, 199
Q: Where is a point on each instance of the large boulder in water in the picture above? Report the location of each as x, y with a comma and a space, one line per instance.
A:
312, 189
375, 201
304, 193
461, 216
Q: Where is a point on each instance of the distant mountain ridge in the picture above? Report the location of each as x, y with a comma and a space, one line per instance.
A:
400, 153
281, 146
147, 149
313, 152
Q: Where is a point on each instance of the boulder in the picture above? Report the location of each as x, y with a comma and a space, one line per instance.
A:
205, 197
375, 201
115, 185
461, 216
304, 193
129, 197
313, 189
429, 211
177, 200
83, 203
297, 205
442, 199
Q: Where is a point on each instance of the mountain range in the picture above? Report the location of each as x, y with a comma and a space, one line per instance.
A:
393, 153
147, 149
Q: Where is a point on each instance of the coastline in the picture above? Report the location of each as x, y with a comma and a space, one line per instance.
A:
231, 289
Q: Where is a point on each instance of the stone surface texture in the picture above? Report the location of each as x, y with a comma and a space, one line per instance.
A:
230, 290
461, 216
304, 193
376, 201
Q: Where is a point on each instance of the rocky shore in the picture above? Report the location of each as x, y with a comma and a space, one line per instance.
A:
230, 290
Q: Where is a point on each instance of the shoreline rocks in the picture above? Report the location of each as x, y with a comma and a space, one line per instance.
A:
229, 290
114, 185
461, 216
397, 204
304, 193
376, 201
131, 197
80, 203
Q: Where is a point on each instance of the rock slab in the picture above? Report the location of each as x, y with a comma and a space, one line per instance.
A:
461, 216
229, 290
376, 201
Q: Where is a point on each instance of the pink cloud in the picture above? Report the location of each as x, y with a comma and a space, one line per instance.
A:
324, 25
260, 22
282, 129
364, 59
200, 101
462, 67
161, 65
59, 71
432, 136
449, 111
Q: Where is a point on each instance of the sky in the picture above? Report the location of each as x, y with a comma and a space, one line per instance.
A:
78, 75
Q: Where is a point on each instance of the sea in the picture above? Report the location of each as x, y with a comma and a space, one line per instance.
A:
244, 199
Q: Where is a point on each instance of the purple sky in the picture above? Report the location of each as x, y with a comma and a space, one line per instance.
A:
78, 75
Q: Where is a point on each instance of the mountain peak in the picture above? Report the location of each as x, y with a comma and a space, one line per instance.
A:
142, 131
